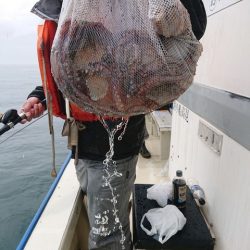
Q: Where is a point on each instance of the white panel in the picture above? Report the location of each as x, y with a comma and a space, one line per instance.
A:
213, 6
225, 179
173, 145
177, 146
224, 63
231, 212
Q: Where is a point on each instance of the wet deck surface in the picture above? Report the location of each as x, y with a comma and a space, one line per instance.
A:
152, 170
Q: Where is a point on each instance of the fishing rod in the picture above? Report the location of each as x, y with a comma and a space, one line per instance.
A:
18, 131
10, 118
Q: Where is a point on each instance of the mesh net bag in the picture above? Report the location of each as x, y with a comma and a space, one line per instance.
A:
123, 58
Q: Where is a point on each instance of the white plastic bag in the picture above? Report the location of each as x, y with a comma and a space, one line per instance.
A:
161, 193
165, 222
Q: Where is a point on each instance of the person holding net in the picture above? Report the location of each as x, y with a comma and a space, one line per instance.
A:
113, 61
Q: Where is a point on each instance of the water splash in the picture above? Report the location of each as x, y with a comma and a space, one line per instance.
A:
110, 172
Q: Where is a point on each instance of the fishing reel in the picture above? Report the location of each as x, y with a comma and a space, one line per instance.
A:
10, 118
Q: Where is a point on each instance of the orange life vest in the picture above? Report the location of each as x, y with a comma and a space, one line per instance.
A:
46, 34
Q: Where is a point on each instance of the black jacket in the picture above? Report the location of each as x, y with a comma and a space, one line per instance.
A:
94, 141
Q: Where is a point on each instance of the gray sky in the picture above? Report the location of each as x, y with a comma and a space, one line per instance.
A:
18, 32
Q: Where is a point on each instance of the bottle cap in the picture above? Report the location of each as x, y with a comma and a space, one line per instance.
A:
179, 173
202, 201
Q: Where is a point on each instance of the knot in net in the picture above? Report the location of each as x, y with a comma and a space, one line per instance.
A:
123, 58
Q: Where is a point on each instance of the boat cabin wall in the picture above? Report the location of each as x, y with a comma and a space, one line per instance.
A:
224, 63
217, 107
225, 178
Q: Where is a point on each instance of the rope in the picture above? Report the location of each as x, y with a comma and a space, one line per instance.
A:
30, 123
50, 115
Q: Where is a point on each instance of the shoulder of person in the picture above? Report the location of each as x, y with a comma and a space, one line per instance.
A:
198, 16
48, 9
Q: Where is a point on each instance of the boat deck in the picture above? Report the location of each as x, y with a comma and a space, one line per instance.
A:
155, 169
67, 228
152, 170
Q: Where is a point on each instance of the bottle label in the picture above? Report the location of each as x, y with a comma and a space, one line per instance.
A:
182, 194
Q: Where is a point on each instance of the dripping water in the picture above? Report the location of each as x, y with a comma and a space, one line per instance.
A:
110, 172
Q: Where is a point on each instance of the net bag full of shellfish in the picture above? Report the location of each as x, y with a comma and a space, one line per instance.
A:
123, 58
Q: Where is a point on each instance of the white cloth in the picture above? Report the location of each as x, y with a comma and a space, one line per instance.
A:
165, 222
161, 193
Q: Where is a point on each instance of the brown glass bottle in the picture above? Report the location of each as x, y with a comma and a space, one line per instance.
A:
180, 190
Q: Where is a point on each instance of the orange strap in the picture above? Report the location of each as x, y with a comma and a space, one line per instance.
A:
46, 34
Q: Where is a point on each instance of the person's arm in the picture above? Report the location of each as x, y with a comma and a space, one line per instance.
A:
48, 10
33, 107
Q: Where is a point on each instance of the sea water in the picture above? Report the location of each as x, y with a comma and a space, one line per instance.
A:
25, 158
